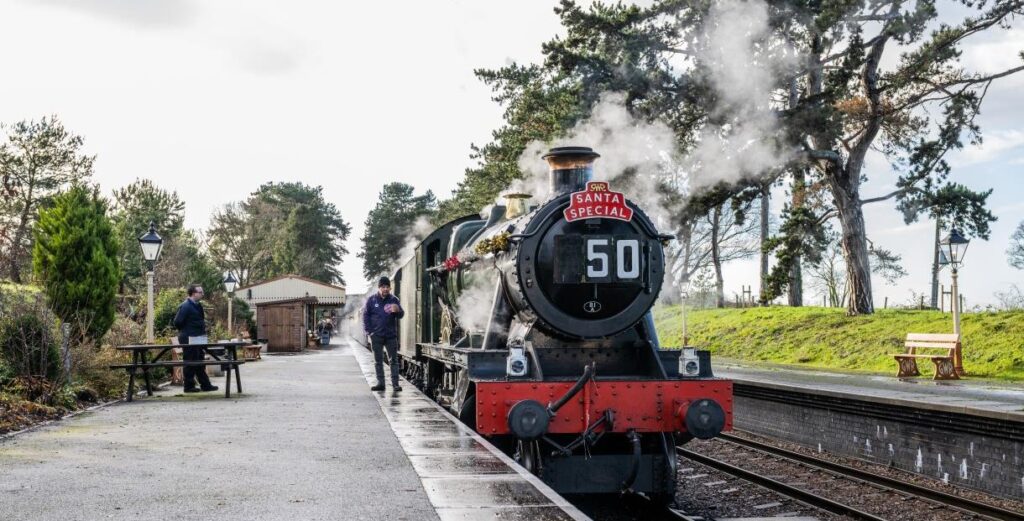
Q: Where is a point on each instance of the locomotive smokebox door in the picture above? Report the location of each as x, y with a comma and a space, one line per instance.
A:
589, 263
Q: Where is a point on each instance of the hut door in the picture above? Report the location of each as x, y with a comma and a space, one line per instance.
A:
279, 327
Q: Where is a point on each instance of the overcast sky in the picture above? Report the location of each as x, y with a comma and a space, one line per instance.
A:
212, 99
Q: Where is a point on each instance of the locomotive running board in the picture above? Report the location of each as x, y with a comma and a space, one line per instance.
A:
481, 363
489, 364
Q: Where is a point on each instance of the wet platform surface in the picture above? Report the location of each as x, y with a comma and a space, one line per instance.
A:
1000, 400
465, 478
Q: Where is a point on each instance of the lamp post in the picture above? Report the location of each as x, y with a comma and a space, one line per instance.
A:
230, 283
684, 286
151, 244
953, 247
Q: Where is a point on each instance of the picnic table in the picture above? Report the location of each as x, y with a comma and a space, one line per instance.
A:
142, 361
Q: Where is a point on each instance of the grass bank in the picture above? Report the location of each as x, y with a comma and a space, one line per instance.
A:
825, 338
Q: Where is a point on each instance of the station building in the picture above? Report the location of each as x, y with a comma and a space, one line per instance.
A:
288, 307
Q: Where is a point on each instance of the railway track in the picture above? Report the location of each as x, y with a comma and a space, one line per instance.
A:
864, 495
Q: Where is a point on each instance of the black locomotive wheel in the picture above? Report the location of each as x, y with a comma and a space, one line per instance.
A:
468, 413
528, 455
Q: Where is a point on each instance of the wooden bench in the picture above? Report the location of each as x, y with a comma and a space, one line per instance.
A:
182, 363
223, 353
948, 359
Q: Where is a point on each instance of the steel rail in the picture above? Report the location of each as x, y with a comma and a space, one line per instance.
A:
949, 500
801, 495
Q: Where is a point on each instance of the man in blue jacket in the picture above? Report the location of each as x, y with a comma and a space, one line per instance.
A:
380, 322
191, 321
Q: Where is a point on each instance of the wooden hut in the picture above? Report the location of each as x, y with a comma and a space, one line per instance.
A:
287, 307
283, 324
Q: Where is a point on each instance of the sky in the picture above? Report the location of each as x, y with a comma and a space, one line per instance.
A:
213, 99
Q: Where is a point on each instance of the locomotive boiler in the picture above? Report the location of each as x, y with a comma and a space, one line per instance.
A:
565, 372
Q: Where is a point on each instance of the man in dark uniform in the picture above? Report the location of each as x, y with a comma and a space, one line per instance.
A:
380, 322
191, 321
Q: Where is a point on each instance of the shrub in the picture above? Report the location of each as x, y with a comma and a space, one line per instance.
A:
94, 378
6, 372
165, 307
29, 346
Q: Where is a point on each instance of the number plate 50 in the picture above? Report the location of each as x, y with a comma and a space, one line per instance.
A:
597, 259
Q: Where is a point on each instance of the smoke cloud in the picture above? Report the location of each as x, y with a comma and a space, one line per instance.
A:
474, 303
739, 141
417, 232
744, 67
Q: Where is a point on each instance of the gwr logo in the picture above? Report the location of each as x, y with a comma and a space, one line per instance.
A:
597, 202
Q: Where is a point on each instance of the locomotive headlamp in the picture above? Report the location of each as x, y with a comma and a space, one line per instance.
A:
689, 363
516, 364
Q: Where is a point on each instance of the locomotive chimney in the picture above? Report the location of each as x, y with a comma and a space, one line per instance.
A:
571, 168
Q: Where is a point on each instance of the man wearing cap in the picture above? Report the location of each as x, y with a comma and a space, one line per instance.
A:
380, 322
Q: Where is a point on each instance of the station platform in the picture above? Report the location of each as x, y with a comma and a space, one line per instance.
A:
306, 440
465, 477
984, 398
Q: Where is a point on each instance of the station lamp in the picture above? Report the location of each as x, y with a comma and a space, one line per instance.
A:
151, 244
953, 247
230, 283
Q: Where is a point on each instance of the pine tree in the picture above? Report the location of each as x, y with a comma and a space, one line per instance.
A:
389, 226
75, 258
134, 206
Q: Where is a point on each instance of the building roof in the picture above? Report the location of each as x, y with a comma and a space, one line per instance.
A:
298, 277
290, 287
307, 300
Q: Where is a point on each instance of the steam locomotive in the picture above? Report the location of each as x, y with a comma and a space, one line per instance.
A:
566, 373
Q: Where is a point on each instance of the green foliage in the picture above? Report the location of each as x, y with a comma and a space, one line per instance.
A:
955, 205
28, 345
282, 228
75, 258
6, 372
37, 160
244, 316
539, 105
165, 306
826, 338
389, 226
134, 207
1016, 250
802, 237
311, 233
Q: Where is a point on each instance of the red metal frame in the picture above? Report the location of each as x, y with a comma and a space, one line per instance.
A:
644, 406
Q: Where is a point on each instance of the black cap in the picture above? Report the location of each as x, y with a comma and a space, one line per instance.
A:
571, 152
384, 281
